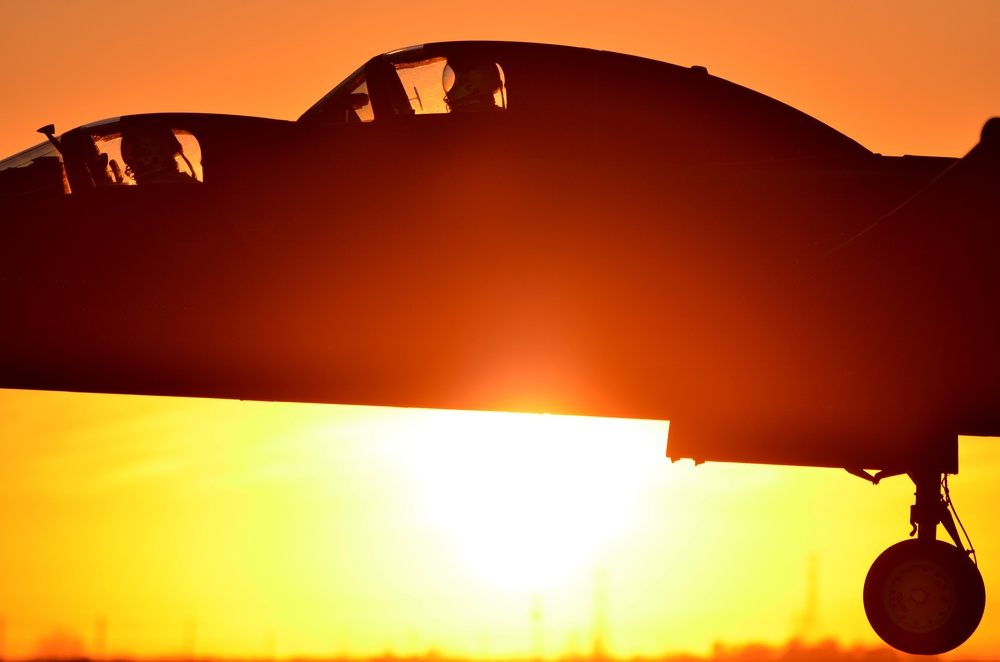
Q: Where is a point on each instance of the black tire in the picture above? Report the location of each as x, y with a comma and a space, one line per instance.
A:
924, 597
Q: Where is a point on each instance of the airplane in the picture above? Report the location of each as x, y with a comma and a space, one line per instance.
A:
539, 228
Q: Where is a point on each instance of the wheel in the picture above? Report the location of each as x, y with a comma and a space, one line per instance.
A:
924, 597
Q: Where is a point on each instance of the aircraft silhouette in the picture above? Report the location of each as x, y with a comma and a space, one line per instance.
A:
526, 227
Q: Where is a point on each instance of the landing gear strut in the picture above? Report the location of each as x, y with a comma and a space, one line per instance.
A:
924, 596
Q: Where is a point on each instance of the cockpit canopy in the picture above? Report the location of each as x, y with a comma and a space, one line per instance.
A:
628, 104
36, 170
576, 102
418, 80
123, 151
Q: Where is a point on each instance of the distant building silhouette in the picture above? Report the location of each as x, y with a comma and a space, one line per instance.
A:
807, 621
537, 627
190, 639
100, 638
600, 647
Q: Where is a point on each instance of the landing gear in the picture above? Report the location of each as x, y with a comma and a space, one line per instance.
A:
924, 596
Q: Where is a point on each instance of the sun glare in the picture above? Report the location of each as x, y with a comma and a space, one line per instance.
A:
529, 500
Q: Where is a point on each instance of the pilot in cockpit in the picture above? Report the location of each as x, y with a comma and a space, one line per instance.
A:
471, 85
150, 156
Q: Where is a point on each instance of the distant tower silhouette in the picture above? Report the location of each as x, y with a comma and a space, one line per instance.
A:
573, 645
537, 627
412, 645
343, 646
808, 620
600, 649
100, 638
485, 645
269, 647
190, 639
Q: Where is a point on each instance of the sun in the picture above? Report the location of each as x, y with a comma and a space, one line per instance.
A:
529, 500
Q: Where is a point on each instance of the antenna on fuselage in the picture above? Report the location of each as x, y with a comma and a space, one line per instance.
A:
49, 131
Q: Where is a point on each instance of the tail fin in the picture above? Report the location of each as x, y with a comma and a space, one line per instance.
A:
963, 197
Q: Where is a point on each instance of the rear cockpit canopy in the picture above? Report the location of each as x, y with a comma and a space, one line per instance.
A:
629, 105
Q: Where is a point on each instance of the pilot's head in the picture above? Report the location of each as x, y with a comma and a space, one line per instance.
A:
471, 84
149, 152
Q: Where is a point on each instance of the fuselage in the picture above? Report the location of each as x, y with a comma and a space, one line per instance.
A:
610, 259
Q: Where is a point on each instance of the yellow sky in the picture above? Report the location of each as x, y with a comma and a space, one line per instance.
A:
247, 528
319, 529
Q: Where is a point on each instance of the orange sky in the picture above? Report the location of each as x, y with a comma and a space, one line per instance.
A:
248, 529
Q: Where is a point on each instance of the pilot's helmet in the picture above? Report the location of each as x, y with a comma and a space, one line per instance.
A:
471, 85
149, 151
